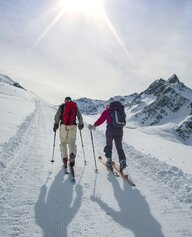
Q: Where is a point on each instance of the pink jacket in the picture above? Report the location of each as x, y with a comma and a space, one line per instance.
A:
104, 116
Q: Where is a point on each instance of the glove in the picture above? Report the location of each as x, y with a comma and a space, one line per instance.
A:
80, 126
91, 127
55, 127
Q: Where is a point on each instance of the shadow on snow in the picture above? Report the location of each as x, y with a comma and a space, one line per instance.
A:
53, 210
134, 213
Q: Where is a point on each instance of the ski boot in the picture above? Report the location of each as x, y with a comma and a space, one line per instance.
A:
72, 160
109, 163
65, 165
122, 165
71, 164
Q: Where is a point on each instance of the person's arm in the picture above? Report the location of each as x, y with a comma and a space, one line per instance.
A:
58, 115
57, 118
101, 119
105, 116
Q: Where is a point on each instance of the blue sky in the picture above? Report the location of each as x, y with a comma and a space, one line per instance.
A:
134, 43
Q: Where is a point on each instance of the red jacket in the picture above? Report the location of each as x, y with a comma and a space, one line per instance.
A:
105, 116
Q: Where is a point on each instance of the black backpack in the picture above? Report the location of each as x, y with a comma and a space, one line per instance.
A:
118, 116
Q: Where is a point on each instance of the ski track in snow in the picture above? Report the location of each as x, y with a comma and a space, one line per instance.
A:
38, 199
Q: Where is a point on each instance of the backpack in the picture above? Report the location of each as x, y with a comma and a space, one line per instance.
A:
69, 113
117, 113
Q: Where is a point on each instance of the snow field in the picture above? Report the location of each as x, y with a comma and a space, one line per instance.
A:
38, 199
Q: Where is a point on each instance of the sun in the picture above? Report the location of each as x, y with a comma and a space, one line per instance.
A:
92, 8
89, 8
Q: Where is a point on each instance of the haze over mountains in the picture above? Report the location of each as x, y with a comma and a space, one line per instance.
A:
164, 102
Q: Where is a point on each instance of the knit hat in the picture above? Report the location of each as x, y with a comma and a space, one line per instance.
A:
67, 98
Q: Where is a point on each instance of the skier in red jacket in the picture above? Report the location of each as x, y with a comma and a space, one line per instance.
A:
66, 117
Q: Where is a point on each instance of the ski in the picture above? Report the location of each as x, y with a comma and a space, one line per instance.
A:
126, 176
103, 161
72, 173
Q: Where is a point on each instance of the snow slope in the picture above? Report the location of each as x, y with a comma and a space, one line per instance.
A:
37, 199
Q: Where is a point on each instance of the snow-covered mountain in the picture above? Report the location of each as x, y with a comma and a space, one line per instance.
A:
184, 128
90, 106
8, 80
16, 104
164, 102
37, 198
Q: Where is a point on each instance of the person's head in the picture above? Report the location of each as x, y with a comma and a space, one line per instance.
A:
67, 98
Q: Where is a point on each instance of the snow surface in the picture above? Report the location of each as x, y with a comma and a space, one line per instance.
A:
38, 199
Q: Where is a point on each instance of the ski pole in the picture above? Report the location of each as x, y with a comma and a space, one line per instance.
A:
53, 148
94, 186
85, 162
96, 170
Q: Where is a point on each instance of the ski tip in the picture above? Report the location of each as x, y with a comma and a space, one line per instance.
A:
99, 157
130, 181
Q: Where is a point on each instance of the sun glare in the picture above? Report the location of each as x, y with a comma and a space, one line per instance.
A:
92, 8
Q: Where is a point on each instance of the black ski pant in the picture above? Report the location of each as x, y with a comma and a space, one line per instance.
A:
115, 134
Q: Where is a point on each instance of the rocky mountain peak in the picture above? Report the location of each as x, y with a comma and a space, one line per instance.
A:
154, 88
162, 102
173, 79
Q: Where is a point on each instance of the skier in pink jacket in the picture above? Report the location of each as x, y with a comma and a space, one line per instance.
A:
112, 133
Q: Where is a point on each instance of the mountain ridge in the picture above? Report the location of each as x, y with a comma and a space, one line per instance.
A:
163, 102
170, 101
8, 80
